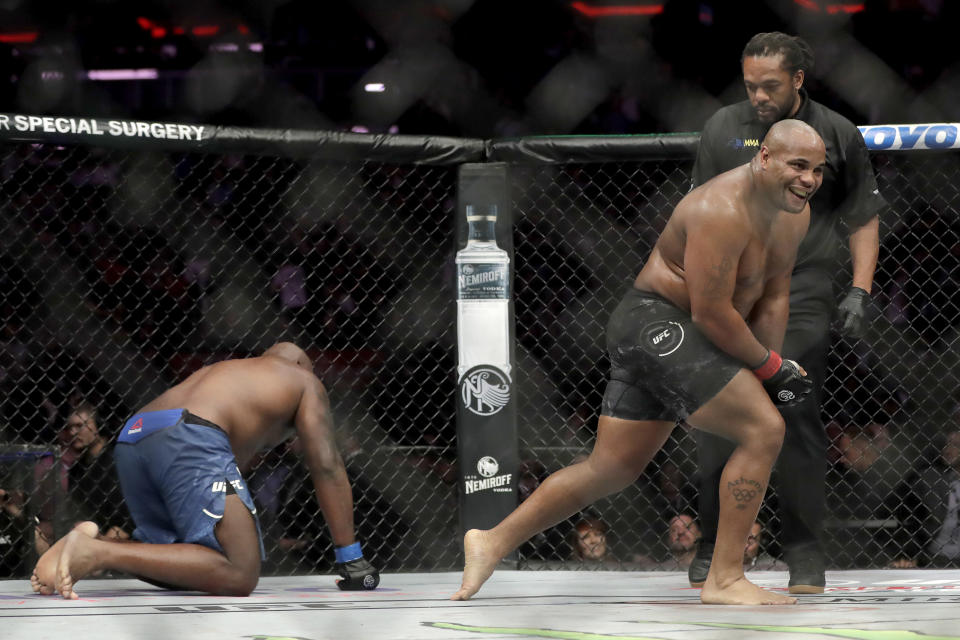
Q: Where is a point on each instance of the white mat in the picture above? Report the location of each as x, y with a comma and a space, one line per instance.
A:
866, 605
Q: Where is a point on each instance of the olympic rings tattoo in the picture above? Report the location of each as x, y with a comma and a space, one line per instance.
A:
744, 491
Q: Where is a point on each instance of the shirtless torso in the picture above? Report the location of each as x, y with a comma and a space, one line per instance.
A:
767, 244
255, 400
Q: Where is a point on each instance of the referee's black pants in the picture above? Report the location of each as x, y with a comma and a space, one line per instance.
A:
802, 465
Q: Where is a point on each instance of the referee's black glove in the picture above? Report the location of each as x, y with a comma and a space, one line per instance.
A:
853, 312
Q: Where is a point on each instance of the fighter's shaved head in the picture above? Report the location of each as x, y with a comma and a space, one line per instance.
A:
790, 134
790, 163
291, 352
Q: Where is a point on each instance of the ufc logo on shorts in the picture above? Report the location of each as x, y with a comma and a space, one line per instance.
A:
663, 337
221, 486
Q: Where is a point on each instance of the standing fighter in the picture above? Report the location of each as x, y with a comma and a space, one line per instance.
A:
696, 338
194, 515
774, 66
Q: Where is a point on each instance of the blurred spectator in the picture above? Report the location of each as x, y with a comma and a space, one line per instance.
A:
682, 535
13, 525
333, 285
872, 463
289, 284
93, 484
588, 542
87, 477
930, 511
680, 542
55, 376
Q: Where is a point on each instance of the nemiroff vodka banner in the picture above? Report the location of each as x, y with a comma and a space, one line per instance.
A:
486, 388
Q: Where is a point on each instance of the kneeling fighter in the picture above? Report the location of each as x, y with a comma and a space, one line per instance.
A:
696, 339
195, 519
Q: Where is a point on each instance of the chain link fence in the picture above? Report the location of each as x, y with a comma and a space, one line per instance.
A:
584, 231
123, 271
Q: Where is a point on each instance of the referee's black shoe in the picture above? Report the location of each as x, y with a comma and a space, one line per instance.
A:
807, 576
700, 566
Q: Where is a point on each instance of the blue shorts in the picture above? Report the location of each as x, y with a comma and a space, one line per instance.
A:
174, 471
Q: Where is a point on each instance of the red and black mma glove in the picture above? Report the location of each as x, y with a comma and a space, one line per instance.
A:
854, 313
357, 573
782, 379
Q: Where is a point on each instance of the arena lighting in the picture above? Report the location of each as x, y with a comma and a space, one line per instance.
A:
617, 10
206, 30
812, 5
122, 74
201, 30
233, 46
19, 37
845, 8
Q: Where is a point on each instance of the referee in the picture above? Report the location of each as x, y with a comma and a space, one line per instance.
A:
774, 66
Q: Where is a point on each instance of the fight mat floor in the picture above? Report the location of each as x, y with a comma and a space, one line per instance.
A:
866, 605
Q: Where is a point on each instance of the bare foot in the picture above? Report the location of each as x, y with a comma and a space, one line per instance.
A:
740, 591
479, 562
77, 560
44, 577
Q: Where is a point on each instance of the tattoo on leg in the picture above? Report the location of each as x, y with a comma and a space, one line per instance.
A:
744, 491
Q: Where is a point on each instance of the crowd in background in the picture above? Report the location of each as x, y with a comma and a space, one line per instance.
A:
506, 67
121, 274
156, 296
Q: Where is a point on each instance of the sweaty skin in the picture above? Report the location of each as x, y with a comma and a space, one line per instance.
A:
732, 242
725, 255
256, 401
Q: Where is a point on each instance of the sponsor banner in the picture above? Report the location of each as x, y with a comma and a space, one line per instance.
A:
486, 396
483, 282
904, 137
487, 443
316, 144
108, 128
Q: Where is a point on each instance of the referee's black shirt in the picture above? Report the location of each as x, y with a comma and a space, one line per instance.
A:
732, 136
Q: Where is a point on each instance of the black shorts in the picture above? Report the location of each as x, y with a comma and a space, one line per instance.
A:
661, 366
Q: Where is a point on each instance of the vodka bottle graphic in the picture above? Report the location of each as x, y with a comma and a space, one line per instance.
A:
483, 294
